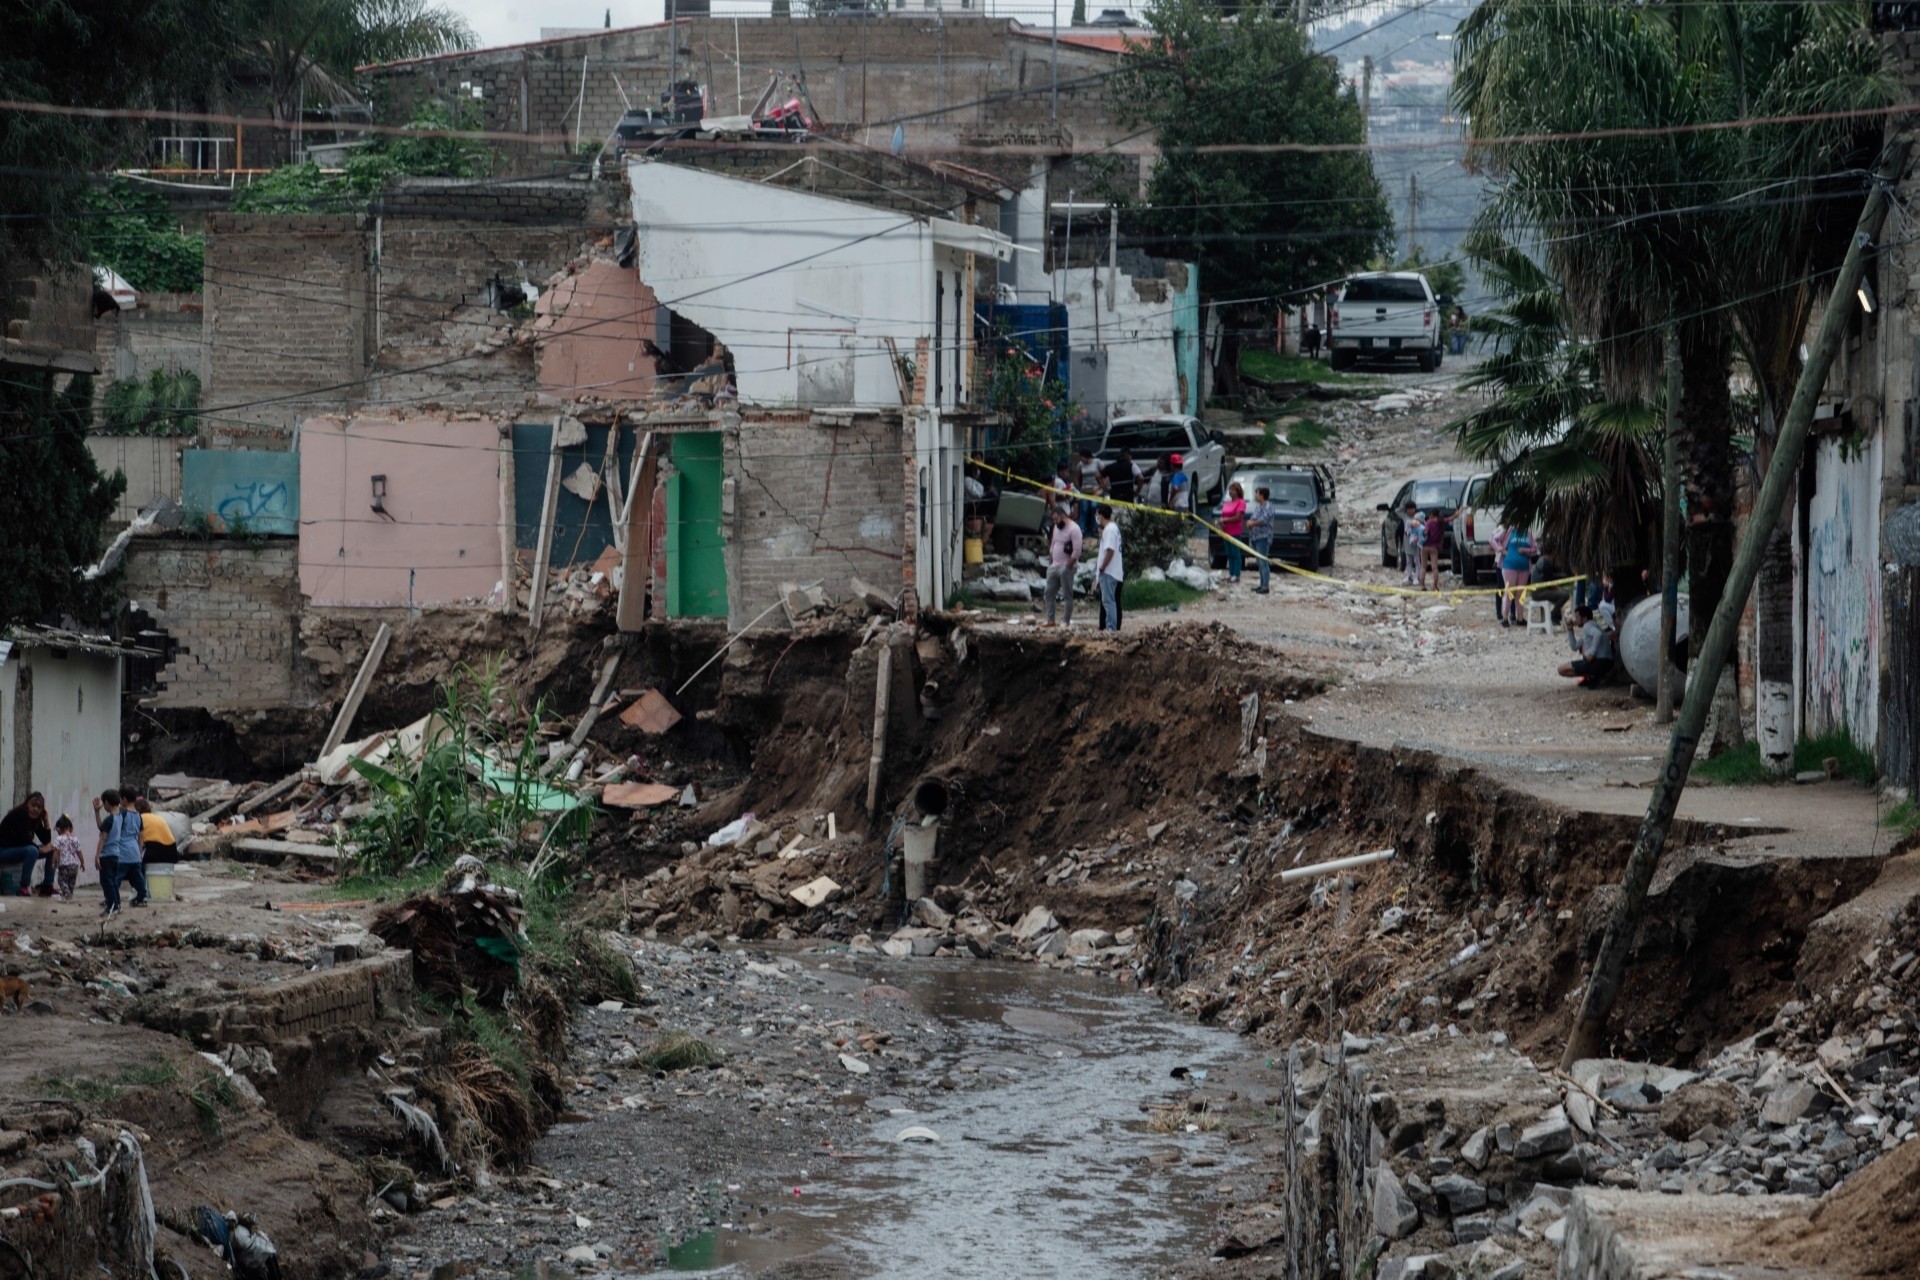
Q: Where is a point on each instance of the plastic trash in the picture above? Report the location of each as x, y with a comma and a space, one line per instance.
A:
731, 833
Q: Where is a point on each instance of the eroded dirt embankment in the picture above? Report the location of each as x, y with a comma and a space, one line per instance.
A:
1162, 783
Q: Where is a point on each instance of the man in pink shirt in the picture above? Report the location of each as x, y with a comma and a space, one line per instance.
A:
1064, 559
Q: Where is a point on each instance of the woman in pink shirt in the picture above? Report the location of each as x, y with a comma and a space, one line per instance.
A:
1233, 523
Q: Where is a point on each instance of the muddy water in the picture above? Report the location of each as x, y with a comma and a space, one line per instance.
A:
1044, 1163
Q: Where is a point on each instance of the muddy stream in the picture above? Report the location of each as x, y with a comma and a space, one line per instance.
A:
1035, 1084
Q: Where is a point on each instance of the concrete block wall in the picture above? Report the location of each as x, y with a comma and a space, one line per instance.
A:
132, 344
232, 612
46, 321
286, 312
983, 78
806, 501
151, 465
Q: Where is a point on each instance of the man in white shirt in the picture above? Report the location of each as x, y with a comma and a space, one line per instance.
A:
1112, 569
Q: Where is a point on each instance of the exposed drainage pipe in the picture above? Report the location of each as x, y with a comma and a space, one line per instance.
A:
1338, 864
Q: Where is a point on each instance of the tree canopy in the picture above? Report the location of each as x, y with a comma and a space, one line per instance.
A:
1263, 226
53, 501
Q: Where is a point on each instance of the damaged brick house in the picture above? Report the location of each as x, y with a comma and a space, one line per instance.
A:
473, 405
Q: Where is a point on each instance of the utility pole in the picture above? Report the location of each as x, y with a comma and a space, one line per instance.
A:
1053, 65
1669, 533
1413, 210
1366, 97
1588, 1039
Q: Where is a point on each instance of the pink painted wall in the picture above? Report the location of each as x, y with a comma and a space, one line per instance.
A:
593, 322
443, 491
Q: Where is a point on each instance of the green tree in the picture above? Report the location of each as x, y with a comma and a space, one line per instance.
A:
305, 188
1266, 226
1448, 276
130, 228
53, 501
316, 44
1720, 233
1566, 461
1079, 18
86, 53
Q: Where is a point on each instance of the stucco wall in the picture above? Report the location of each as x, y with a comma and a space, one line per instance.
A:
442, 492
59, 730
1149, 334
803, 290
594, 322
1841, 562
242, 491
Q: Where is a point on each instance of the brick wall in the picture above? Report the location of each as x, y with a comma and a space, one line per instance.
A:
232, 613
806, 501
286, 312
132, 344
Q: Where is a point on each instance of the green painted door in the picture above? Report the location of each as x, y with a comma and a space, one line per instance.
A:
696, 552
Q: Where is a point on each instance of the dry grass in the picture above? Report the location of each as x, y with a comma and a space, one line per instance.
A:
1175, 1119
678, 1051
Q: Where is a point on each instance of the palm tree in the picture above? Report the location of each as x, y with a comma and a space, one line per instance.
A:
313, 46
1719, 233
1567, 461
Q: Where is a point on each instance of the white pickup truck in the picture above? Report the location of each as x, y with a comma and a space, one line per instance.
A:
1474, 524
1203, 453
1386, 315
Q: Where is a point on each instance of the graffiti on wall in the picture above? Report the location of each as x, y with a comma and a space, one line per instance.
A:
242, 490
1843, 596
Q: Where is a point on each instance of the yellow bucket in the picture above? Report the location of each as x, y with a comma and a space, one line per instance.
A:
972, 551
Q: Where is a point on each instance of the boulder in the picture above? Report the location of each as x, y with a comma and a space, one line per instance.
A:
1695, 1105
1394, 1214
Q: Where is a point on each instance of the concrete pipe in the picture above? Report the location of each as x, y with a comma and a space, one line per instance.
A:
930, 798
918, 841
1639, 637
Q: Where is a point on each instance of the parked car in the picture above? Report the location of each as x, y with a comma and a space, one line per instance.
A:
1305, 524
1203, 453
1431, 495
1474, 523
1386, 315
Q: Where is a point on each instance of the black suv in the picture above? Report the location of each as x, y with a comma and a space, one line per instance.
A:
1305, 526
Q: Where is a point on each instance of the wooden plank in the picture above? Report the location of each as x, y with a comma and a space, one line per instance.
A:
882, 691
284, 849
543, 553
610, 479
602, 688
637, 520
509, 522
357, 692
260, 799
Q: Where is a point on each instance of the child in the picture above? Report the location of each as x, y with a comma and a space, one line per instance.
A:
69, 857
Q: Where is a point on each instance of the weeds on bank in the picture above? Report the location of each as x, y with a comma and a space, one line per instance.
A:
1903, 818
212, 1095
1176, 1119
1141, 594
1275, 366
1741, 766
153, 1074
678, 1051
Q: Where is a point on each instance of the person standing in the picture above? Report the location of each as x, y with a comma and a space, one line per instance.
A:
156, 837
1123, 478
71, 859
1063, 561
1413, 531
1090, 478
1112, 569
1233, 527
1260, 534
24, 838
1516, 570
1457, 330
119, 854
1433, 536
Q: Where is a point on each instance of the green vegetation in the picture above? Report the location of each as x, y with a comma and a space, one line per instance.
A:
1151, 542
306, 188
306, 47
53, 501
161, 404
1138, 594
1741, 766
678, 1051
1903, 819
155, 1073
212, 1095
1447, 278
1269, 365
130, 228
1035, 410
427, 809
1229, 211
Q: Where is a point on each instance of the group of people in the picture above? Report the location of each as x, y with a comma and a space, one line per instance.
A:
1063, 562
131, 836
1251, 523
1090, 483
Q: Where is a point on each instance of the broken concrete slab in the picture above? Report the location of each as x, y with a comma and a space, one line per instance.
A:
1037, 921
1612, 1234
638, 795
816, 891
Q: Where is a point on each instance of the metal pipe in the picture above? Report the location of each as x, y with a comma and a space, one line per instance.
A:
1338, 864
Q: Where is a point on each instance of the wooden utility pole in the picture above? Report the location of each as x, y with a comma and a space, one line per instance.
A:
1413, 211
1588, 1039
1669, 533
1366, 97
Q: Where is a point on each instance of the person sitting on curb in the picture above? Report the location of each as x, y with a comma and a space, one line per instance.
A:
1595, 645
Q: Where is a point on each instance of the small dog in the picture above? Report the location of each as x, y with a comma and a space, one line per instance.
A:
16, 991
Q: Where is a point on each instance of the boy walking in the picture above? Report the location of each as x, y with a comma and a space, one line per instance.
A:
119, 850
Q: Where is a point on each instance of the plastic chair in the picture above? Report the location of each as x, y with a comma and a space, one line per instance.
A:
1540, 617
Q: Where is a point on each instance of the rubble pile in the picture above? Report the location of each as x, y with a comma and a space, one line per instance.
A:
1022, 577
1466, 1155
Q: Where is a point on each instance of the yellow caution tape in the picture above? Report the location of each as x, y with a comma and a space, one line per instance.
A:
1310, 574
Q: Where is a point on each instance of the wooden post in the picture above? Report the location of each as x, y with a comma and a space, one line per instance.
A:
1588, 1039
637, 563
509, 523
591, 716
357, 691
549, 505
1669, 534
882, 696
